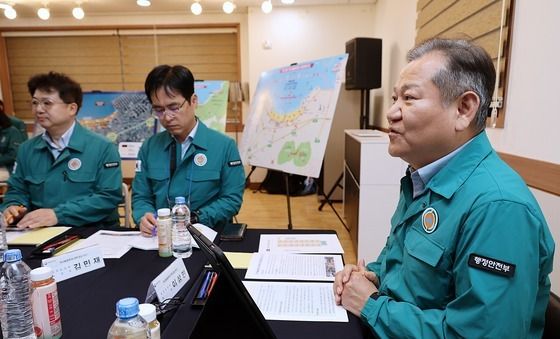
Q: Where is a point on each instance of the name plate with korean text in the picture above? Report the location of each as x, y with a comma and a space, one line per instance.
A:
72, 264
169, 282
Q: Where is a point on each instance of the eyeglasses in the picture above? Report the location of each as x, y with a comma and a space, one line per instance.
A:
47, 104
171, 110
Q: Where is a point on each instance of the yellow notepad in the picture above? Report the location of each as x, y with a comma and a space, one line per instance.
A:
37, 236
239, 260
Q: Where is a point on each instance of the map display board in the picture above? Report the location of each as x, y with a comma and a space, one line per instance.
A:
120, 116
291, 115
212, 103
127, 116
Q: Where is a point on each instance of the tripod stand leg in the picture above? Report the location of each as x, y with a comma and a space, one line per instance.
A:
328, 196
286, 179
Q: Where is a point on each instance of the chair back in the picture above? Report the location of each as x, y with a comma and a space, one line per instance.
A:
552, 318
125, 208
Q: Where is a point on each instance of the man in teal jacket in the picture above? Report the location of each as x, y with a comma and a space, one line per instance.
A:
10, 139
67, 175
17, 123
188, 159
469, 252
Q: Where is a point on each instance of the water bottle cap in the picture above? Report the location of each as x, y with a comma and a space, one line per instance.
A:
41, 273
163, 212
127, 308
148, 312
179, 200
12, 255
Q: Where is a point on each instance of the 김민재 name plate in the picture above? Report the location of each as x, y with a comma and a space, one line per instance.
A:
169, 282
72, 264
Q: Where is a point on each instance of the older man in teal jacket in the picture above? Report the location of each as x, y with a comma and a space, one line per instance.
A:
469, 252
188, 159
68, 175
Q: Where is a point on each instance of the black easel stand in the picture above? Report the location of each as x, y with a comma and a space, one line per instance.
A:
253, 168
287, 181
364, 119
327, 199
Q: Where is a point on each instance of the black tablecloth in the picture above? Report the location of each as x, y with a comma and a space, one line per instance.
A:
87, 302
185, 318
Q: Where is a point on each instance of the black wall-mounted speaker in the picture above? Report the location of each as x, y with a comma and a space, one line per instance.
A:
363, 69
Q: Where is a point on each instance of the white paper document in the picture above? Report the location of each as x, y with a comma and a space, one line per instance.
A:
282, 266
151, 243
114, 244
296, 301
300, 243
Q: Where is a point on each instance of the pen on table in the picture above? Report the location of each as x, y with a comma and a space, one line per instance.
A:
60, 242
202, 290
66, 245
154, 230
59, 245
212, 282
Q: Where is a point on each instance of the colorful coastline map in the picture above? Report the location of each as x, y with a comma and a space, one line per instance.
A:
291, 116
127, 117
120, 116
212, 103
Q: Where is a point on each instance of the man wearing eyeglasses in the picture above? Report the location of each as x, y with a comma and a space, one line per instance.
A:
68, 175
188, 159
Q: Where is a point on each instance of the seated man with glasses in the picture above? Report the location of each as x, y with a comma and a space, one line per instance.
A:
188, 159
68, 175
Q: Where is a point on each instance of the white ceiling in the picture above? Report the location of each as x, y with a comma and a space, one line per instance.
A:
63, 8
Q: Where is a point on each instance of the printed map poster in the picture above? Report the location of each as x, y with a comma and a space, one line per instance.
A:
212, 103
120, 116
291, 116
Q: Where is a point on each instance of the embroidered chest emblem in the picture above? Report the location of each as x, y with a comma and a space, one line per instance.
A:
74, 164
200, 159
429, 220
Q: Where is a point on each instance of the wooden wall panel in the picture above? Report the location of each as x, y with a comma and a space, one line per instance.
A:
479, 20
119, 62
456, 14
432, 10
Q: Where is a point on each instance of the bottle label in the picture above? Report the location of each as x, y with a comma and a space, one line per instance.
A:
164, 237
46, 312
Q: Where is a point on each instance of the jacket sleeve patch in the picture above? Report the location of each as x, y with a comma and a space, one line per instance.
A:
111, 164
234, 163
491, 265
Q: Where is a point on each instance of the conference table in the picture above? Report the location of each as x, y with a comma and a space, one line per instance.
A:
87, 302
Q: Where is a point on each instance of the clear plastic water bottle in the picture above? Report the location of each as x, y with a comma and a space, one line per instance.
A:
128, 325
181, 239
15, 302
3, 240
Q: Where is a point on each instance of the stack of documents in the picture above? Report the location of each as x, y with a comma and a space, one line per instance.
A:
115, 244
302, 258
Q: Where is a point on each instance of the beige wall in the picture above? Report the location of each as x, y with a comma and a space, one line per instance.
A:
300, 33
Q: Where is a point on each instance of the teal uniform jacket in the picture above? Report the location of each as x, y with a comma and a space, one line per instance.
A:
486, 214
20, 125
211, 173
83, 185
10, 139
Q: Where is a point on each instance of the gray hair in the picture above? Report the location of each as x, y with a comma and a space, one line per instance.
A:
468, 68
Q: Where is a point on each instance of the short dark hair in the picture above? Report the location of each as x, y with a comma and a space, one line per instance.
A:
172, 79
69, 90
468, 68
